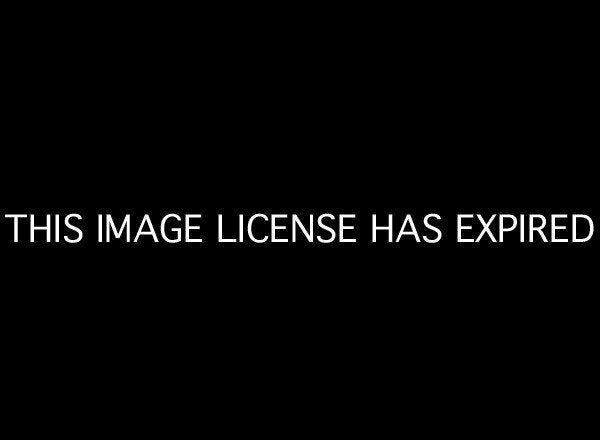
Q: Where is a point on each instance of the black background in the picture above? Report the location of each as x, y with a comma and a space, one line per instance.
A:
386, 112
